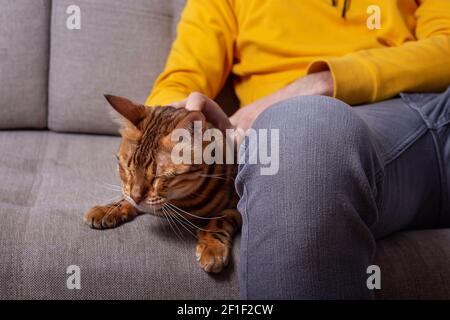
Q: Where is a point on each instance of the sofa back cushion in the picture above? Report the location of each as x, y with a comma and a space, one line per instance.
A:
120, 48
24, 46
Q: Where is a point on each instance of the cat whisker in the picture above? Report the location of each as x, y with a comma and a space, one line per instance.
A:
106, 183
99, 199
189, 222
169, 216
216, 176
114, 199
110, 187
183, 224
170, 223
178, 221
192, 215
112, 184
159, 217
110, 210
166, 222
212, 176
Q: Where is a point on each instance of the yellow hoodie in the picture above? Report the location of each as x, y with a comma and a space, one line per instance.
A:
267, 44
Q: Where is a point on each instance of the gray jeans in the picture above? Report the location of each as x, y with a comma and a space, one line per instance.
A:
347, 176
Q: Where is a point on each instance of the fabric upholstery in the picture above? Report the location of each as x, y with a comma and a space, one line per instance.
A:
24, 54
48, 181
415, 265
120, 49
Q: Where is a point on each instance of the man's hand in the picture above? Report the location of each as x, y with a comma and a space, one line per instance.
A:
320, 83
212, 111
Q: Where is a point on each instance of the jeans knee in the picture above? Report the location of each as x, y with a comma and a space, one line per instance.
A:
326, 157
292, 109
321, 141
316, 124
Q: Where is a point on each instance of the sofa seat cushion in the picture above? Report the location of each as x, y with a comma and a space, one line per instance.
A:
49, 180
415, 265
24, 63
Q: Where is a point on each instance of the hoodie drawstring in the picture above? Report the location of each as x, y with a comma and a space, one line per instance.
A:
344, 8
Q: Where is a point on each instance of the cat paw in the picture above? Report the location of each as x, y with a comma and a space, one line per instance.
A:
212, 256
110, 216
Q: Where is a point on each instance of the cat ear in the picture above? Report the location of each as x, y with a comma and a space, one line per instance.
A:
131, 111
188, 121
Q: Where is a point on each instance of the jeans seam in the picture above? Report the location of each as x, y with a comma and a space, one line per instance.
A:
246, 219
444, 121
398, 150
442, 176
379, 178
432, 129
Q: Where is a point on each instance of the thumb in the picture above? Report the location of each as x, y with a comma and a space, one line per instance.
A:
210, 109
178, 104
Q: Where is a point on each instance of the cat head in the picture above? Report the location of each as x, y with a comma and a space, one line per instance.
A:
149, 176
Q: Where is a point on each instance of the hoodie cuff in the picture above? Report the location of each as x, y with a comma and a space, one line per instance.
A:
354, 82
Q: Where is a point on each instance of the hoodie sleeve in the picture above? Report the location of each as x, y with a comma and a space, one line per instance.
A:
381, 73
202, 54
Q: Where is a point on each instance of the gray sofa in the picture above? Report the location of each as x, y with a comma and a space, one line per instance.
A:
57, 147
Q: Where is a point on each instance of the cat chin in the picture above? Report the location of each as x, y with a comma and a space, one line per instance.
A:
149, 208
145, 208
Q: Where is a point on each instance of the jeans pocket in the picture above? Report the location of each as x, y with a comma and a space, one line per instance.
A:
434, 108
435, 112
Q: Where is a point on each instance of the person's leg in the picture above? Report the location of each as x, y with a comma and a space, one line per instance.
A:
411, 193
307, 231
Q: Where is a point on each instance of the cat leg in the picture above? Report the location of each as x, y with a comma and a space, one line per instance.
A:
110, 216
214, 245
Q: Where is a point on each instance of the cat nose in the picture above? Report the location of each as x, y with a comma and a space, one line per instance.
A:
137, 195
138, 192
136, 198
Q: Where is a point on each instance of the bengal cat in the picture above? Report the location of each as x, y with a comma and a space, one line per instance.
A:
188, 194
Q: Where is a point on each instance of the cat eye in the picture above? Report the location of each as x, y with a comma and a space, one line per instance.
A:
165, 175
173, 174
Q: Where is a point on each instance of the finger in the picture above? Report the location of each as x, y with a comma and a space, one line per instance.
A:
178, 104
196, 101
210, 109
216, 116
233, 120
238, 133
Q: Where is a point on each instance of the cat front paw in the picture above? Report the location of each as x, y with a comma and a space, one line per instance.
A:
109, 216
212, 255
